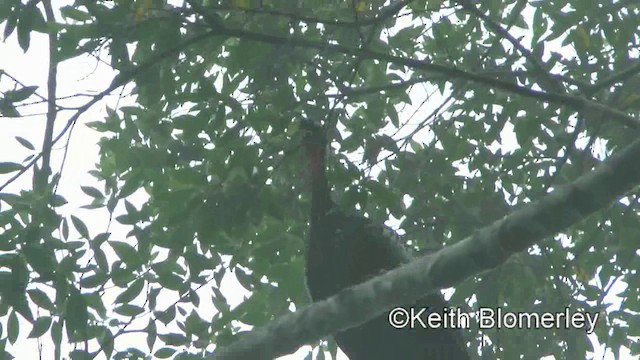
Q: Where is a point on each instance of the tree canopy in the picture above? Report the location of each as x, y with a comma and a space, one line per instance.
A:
499, 135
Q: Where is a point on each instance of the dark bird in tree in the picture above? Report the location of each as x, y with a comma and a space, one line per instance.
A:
345, 250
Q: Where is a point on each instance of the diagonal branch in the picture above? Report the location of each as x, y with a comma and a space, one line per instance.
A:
384, 13
548, 80
615, 78
575, 102
484, 250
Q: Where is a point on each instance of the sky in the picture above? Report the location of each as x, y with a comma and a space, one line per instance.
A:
88, 76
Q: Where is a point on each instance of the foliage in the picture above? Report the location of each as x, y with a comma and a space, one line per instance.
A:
211, 146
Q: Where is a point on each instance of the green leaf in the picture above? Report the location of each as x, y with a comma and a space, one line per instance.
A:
167, 315
56, 332
74, 13
92, 191
76, 314
81, 355
40, 327
121, 275
128, 310
41, 299
152, 333
173, 339
101, 258
13, 328
7, 109
58, 200
131, 292
65, 229
94, 301
10, 26
164, 353
24, 142
171, 281
132, 212
125, 252
245, 279
100, 239
41, 259
107, 341
20, 95
81, 228
9, 167
94, 281
418, 5
24, 29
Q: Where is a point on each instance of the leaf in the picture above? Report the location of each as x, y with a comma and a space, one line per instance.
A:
125, 252
56, 332
81, 228
132, 212
24, 29
101, 259
164, 353
76, 314
171, 281
99, 239
245, 279
174, 339
167, 315
129, 310
94, 281
7, 109
92, 191
41, 260
107, 341
73, 13
152, 333
20, 94
80, 355
40, 327
65, 229
419, 5
131, 292
13, 328
58, 200
9, 167
41, 299
240, 4
10, 26
393, 115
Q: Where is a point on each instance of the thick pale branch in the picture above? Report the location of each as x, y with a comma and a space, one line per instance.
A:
485, 249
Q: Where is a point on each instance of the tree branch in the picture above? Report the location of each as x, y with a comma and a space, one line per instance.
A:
484, 250
575, 102
546, 80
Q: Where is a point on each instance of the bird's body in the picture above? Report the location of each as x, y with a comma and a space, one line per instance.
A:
345, 250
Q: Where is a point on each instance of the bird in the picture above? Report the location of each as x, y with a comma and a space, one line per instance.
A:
345, 249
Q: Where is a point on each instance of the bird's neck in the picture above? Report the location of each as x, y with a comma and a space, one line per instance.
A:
321, 200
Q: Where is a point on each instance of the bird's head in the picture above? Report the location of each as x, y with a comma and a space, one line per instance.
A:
313, 134
314, 140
